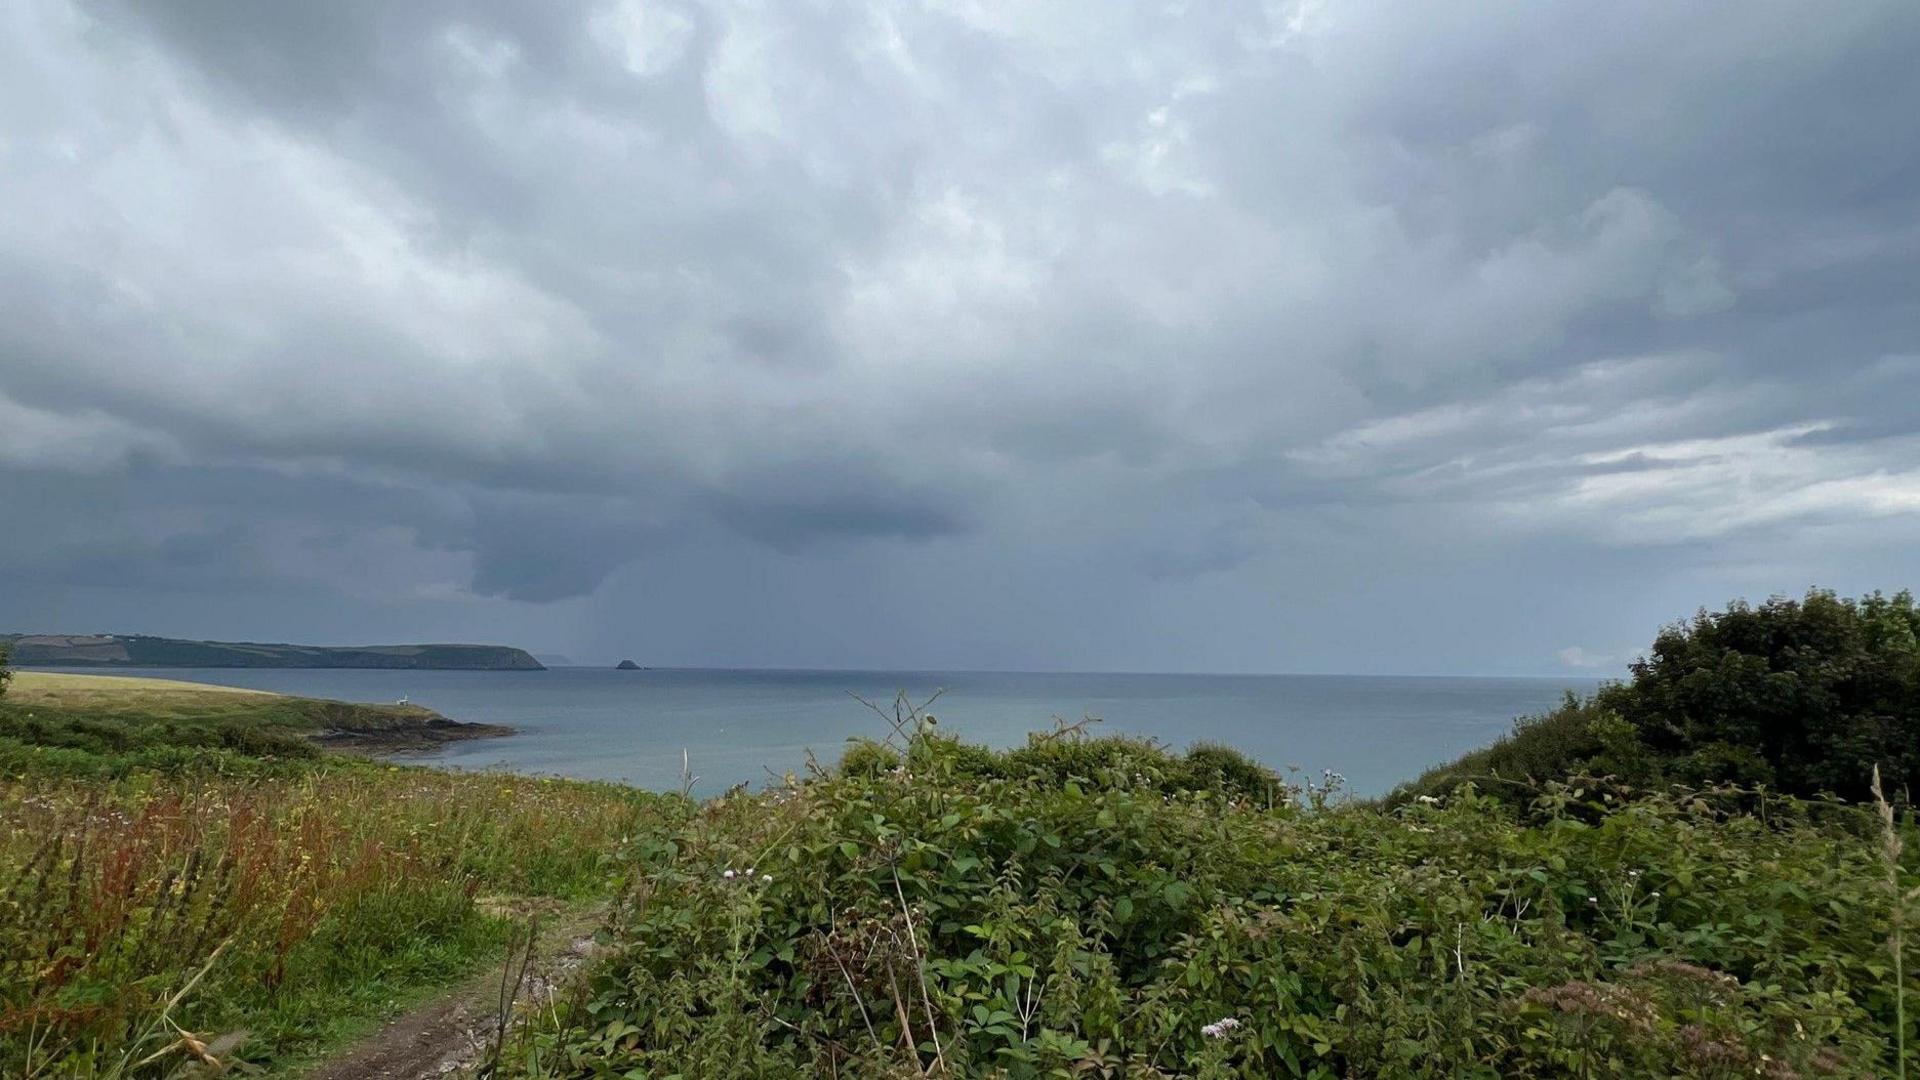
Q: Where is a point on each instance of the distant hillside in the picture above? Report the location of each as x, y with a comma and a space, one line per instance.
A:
137, 650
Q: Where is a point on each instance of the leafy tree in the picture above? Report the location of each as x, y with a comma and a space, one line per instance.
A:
1808, 695
1804, 696
6, 673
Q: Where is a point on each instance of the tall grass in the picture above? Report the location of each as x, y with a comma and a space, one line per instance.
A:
1898, 898
324, 894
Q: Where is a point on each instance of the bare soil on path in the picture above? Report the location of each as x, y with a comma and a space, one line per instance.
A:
453, 1034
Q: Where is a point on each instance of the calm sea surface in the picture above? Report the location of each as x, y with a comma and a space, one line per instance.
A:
597, 723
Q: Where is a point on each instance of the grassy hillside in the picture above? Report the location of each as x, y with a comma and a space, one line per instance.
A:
91, 722
138, 650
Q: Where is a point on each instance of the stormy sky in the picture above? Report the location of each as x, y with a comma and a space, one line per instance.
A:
1332, 335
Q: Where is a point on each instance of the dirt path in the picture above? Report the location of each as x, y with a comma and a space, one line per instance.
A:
454, 1032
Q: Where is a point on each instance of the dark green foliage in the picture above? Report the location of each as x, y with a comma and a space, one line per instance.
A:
1578, 738
866, 757
75, 742
24, 758
108, 737
6, 669
1213, 767
1807, 695
1114, 762
1800, 696
1029, 914
166, 730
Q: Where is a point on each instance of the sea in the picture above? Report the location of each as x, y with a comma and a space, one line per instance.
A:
752, 727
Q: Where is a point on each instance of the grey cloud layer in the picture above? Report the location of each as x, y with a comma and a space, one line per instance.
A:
468, 301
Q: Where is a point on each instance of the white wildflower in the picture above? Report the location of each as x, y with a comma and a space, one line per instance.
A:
1221, 1028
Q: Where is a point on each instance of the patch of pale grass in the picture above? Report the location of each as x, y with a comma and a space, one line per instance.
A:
59, 684
121, 695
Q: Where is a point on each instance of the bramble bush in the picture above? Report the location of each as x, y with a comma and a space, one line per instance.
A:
1099, 908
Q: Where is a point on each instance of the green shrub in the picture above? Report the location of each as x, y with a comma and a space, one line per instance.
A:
1808, 695
1029, 914
869, 758
1800, 696
1118, 762
6, 669
1578, 738
1214, 767
114, 737
1114, 762
266, 742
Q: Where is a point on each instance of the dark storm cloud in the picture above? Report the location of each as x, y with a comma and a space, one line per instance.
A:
791, 526
477, 311
550, 553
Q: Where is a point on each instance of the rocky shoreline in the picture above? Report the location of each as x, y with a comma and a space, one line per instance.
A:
430, 733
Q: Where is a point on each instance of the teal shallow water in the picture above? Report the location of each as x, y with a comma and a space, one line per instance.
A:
736, 726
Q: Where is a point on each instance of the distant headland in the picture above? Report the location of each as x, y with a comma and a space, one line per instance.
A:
139, 650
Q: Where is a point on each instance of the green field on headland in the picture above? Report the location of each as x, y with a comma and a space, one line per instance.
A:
1686, 875
145, 650
90, 723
